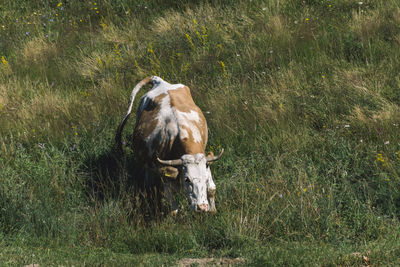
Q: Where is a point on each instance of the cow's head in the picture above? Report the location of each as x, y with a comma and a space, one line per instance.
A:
195, 175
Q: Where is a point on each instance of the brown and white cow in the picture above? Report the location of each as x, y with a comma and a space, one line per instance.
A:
170, 126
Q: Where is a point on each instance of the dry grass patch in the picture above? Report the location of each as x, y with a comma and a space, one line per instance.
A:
3, 97
386, 116
47, 104
127, 35
372, 24
366, 26
388, 113
90, 66
38, 50
170, 22
276, 26
362, 85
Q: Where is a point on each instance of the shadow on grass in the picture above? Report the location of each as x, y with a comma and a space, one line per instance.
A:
114, 175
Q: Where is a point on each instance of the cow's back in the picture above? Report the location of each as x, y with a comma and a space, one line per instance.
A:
168, 124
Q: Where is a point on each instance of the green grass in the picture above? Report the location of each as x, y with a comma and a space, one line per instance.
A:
303, 95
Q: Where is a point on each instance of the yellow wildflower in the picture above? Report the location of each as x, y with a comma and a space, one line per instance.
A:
223, 68
4, 61
59, 4
189, 39
384, 160
99, 61
150, 50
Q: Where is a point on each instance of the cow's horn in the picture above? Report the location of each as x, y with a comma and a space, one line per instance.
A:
173, 162
214, 158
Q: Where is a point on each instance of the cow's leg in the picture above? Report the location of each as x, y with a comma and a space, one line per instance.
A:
211, 189
170, 197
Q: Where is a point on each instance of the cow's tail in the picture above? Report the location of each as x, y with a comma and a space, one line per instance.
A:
135, 90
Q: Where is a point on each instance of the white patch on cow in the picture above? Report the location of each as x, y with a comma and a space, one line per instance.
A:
196, 134
162, 87
191, 116
190, 120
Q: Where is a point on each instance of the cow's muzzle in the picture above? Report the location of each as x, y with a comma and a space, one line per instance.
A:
201, 207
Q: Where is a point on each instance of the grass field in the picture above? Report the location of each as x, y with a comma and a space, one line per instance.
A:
303, 95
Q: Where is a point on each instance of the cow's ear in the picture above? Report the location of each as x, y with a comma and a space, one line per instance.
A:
210, 154
169, 172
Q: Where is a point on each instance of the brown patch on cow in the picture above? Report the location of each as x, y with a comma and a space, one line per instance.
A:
182, 100
192, 147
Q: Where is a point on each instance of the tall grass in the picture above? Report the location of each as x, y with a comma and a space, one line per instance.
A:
303, 95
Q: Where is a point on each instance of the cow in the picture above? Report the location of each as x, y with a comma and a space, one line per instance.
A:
169, 141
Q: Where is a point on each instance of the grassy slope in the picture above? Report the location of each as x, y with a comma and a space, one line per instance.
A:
303, 95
